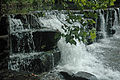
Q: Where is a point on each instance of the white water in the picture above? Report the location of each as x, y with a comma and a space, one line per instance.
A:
95, 58
77, 58
102, 25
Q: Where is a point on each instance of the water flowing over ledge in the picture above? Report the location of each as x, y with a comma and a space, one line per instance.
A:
100, 58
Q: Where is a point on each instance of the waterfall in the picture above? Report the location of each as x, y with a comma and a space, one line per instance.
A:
116, 21
103, 25
92, 58
29, 46
116, 18
98, 59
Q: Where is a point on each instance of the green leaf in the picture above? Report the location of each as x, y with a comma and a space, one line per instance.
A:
93, 34
68, 37
58, 36
72, 41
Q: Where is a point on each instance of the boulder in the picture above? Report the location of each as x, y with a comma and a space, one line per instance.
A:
78, 76
85, 75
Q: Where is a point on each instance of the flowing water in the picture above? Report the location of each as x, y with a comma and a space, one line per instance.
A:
100, 58
102, 25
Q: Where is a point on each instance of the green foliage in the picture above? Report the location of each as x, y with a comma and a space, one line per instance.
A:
73, 33
80, 33
92, 34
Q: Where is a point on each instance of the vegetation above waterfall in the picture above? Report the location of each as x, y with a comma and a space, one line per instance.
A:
86, 32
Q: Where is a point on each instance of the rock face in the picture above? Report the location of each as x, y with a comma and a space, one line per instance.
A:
29, 47
4, 43
27, 35
36, 63
44, 41
29, 21
78, 76
33, 49
37, 41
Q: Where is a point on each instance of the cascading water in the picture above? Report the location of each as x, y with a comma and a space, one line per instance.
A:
95, 58
116, 21
116, 18
29, 46
100, 59
103, 25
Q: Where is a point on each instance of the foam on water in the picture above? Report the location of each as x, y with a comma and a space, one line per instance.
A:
77, 58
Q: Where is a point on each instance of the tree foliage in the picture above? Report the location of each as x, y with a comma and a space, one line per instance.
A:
83, 33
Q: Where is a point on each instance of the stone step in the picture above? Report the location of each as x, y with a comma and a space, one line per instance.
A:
34, 62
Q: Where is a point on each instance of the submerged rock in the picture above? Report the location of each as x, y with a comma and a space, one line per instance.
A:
78, 76
85, 75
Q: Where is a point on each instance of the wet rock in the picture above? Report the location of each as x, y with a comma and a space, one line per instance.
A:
52, 76
67, 76
112, 31
4, 52
89, 41
21, 42
14, 75
44, 41
30, 21
3, 44
36, 62
85, 76
33, 21
99, 35
78, 76
26, 42
57, 57
4, 25
22, 17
